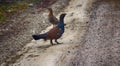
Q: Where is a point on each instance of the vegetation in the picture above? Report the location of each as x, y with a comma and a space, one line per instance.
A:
11, 7
7, 10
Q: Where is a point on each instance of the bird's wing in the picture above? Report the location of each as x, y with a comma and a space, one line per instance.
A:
54, 33
53, 19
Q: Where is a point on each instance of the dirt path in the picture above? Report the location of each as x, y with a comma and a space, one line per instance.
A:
101, 41
40, 53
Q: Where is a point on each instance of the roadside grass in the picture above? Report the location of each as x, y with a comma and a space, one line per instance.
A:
7, 10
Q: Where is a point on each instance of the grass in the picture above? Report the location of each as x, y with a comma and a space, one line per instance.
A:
7, 10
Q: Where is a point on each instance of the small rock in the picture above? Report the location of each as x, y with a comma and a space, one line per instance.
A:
68, 51
79, 5
31, 5
86, 22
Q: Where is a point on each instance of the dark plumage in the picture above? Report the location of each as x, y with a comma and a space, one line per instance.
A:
41, 36
55, 33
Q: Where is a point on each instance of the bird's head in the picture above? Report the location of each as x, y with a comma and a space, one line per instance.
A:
50, 9
62, 16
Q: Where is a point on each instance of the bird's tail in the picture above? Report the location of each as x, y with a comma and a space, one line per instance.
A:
41, 36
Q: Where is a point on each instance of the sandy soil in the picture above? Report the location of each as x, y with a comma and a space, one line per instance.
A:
101, 44
40, 53
17, 32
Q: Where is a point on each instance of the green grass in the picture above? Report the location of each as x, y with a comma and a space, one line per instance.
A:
7, 10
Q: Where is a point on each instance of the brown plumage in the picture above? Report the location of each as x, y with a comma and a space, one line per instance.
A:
52, 19
54, 33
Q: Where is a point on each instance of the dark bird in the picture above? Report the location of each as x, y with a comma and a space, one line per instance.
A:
52, 19
55, 33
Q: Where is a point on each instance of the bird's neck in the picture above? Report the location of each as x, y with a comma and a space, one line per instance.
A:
50, 12
62, 20
61, 24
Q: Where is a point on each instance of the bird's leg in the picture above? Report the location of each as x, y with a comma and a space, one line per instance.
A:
51, 41
57, 41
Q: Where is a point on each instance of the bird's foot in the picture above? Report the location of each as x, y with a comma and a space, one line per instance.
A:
52, 44
57, 41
